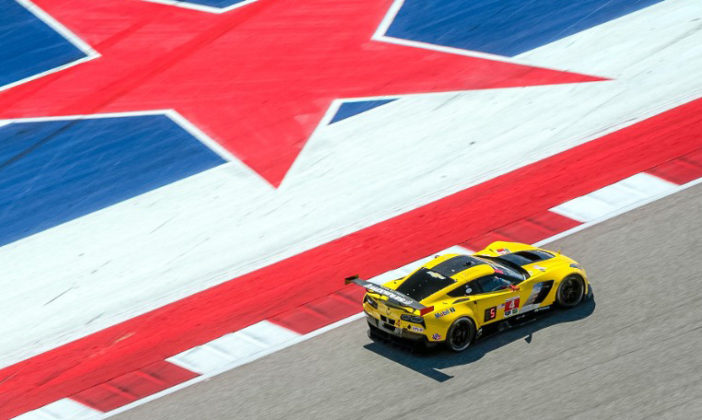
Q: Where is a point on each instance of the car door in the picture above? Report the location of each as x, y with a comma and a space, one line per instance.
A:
495, 298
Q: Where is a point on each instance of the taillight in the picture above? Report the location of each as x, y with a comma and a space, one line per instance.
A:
412, 318
426, 310
369, 300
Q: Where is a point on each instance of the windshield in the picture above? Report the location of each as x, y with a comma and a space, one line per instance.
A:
423, 283
506, 269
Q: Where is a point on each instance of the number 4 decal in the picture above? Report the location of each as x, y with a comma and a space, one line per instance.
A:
512, 306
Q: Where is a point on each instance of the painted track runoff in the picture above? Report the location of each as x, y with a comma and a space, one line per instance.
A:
632, 352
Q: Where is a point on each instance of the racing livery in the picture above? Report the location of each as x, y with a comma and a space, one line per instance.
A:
453, 297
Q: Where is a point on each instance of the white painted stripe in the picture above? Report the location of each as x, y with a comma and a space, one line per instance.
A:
63, 409
231, 349
170, 113
457, 249
240, 362
619, 212
64, 32
381, 35
136, 256
361, 315
612, 198
59, 28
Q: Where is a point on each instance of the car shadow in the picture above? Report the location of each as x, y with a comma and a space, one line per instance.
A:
430, 361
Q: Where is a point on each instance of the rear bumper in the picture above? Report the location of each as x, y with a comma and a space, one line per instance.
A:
394, 331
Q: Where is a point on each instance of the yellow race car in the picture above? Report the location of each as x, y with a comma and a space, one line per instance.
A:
454, 298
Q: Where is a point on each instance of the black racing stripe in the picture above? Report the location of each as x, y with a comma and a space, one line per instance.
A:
456, 264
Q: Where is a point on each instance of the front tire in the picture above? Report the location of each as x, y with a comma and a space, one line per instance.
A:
461, 334
571, 291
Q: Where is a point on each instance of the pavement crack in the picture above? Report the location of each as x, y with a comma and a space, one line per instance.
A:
59, 295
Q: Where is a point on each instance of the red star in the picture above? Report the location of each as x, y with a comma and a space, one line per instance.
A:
257, 79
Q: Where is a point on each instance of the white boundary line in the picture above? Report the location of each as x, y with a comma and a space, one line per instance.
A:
233, 365
619, 212
185, 4
171, 114
360, 315
381, 35
61, 30
200, 135
88, 116
58, 27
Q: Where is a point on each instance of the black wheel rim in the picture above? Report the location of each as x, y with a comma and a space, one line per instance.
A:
460, 336
571, 291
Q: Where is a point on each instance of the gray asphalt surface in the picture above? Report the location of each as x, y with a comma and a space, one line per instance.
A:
635, 351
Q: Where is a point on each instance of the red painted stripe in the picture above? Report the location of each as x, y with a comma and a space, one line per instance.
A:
529, 230
681, 170
322, 312
133, 386
554, 223
311, 275
694, 157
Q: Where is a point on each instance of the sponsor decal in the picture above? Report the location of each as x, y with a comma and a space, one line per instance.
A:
445, 312
532, 307
435, 274
512, 306
399, 297
436, 336
416, 329
502, 251
540, 268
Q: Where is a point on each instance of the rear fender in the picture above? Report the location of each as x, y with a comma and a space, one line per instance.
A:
439, 321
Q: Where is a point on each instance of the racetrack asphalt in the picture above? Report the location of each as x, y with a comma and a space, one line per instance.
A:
633, 351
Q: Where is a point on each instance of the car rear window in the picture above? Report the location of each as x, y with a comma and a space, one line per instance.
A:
423, 283
456, 264
526, 257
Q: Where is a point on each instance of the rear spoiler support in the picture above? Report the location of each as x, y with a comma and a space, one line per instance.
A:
393, 295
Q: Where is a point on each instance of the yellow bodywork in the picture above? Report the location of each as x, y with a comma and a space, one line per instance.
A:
482, 308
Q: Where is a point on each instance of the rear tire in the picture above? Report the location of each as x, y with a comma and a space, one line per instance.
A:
373, 333
461, 334
571, 291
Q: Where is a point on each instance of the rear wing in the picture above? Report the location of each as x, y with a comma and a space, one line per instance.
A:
393, 295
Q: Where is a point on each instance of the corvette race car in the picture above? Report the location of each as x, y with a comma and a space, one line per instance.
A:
454, 298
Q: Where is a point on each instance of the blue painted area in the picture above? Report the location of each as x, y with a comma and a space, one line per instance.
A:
349, 109
215, 3
28, 46
504, 27
53, 172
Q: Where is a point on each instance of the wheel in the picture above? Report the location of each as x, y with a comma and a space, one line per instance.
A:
373, 333
571, 291
461, 334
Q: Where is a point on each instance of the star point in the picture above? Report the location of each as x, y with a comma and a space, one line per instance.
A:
257, 79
